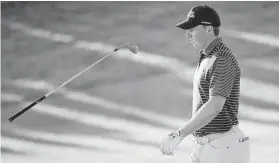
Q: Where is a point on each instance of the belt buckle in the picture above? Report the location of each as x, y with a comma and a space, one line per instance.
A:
206, 139
202, 140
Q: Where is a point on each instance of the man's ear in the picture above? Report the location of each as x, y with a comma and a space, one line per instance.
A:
209, 29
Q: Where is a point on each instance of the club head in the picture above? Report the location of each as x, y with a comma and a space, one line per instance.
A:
131, 46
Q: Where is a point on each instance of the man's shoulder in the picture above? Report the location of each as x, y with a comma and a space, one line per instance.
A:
222, 50
223, 53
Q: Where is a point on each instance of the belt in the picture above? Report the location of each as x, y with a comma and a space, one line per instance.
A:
210, 137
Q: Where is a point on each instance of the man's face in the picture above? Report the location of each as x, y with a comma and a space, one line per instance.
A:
197, 36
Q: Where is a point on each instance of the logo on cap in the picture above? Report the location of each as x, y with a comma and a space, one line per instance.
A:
203, 22
191, 14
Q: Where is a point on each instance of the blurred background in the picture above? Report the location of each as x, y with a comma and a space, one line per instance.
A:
119, 110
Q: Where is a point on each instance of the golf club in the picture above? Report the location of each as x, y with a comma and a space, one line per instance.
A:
132, 47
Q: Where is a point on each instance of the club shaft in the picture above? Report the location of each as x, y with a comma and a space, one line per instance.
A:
13, 117
78, 74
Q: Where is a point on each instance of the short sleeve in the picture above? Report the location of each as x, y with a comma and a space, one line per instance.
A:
223, 76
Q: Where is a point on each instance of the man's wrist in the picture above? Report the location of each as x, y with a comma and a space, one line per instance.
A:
178, 132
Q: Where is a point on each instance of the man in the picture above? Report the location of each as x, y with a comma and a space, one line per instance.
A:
214, 122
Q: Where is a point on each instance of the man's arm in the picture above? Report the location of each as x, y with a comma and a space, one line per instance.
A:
205, 115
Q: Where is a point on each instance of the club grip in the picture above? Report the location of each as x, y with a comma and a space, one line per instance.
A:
13, 117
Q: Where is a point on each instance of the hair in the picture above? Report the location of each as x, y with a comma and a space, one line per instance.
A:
216, 30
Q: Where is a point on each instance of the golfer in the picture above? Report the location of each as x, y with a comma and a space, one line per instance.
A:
216, 84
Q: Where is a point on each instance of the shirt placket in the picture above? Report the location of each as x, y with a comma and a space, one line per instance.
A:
195, 85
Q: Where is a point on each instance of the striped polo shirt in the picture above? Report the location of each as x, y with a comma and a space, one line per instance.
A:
217, 74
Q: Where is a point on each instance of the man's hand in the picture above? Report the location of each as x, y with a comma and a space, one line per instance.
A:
169, 143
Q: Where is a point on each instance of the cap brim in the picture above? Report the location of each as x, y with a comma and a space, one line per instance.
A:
186, 24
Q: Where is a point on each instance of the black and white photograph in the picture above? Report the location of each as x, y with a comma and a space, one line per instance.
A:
139, 81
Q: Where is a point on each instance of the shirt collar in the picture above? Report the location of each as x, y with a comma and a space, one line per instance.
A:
212, 45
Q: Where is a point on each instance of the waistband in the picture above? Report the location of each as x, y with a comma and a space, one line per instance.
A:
210, 137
